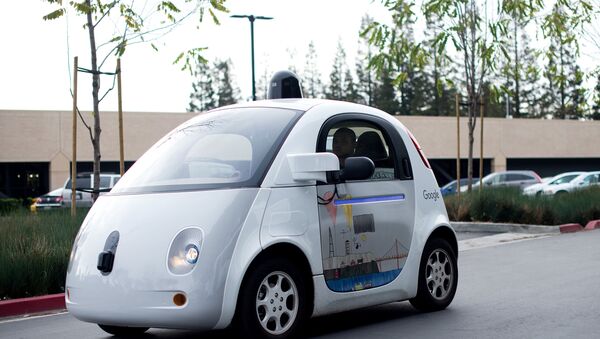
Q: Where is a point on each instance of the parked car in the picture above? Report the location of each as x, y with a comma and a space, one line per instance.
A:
563, 178
246, 216
520, 179
583, 180
48, 201
450, 188
84, 184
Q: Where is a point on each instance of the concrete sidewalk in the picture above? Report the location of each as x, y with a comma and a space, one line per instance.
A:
488, 227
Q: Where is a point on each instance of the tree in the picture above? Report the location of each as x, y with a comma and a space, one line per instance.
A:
203, 96
475, 31
529, 91
227, 92
366, 75
384, 94
563, 75
438, 74
127, 19
350, 91
596, 100
312, 77
262, 85
518, 70
335, 91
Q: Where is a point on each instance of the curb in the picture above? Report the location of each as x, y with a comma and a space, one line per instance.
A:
489, 227
569, 228
593, 224
22, 306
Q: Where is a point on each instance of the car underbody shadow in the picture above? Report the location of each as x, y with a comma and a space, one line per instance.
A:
363, 317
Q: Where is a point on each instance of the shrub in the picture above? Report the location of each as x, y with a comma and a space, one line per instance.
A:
510, 206
34, 251
9, 205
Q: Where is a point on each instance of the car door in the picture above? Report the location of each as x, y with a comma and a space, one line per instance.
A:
366, 225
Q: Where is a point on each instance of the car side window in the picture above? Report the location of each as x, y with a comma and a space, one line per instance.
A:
104, 182
518, 177
590, 179
361, 138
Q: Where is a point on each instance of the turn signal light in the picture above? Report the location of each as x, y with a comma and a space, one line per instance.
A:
179, 299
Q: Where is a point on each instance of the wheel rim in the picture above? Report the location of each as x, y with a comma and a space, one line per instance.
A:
440, 274
277, 303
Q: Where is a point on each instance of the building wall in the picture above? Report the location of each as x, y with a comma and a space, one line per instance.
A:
45, 136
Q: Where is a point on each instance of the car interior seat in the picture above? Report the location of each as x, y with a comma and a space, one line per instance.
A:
369, 145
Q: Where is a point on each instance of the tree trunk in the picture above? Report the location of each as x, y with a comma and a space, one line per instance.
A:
517, 74
96, 103
472, 95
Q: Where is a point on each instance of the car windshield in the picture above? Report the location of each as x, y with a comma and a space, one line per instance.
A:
223, 149
564, 179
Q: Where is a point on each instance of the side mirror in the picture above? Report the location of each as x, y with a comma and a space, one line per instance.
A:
312, 166
357, 168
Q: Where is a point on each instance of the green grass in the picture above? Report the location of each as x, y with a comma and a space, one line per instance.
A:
34, 251
510, 206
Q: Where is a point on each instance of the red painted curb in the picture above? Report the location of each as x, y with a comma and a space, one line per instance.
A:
14, 307
568, 228
592, 225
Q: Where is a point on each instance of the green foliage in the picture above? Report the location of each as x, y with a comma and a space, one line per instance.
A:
335, 90
312, 77
227, 92
9, 205
508, 205
34, 251
203, 96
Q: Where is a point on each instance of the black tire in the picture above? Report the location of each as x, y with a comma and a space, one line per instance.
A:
287, 306
121, 331
438, 277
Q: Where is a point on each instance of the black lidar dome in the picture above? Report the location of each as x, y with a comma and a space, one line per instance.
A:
283, 85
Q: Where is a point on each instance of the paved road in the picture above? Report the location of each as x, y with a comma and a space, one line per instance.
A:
543, 287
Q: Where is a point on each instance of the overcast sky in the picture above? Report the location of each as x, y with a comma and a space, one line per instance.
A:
34, 63
36, 54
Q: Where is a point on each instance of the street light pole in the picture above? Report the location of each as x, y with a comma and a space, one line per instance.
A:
252, 18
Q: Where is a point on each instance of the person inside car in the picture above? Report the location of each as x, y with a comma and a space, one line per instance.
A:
344, 142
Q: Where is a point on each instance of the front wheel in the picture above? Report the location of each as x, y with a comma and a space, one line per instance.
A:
273, 301
438, 277
121, 331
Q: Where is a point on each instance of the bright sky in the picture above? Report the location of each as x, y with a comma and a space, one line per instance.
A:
34, 63
36, 60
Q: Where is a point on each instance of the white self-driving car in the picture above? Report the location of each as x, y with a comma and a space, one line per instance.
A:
261, 215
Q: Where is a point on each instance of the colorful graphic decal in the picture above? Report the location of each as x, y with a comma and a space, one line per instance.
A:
353, 256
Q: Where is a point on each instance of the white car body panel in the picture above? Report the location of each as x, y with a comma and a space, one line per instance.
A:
575, 184
237, 225
539, 188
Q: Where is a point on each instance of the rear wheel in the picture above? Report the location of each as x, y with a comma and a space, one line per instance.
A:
273, 301
438, 277
121, 331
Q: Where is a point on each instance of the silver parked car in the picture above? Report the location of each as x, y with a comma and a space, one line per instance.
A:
84, 185
520, 179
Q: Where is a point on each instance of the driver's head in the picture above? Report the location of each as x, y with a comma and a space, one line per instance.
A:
344, 141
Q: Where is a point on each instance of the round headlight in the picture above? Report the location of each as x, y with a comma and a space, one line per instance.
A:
185, 250
191, 253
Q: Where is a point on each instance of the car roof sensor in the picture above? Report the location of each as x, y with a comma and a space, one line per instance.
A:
284, 85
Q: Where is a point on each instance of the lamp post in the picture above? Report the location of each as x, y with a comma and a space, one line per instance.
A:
252, 18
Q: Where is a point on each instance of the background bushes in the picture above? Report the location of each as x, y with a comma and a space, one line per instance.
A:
34, 251
508, 205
